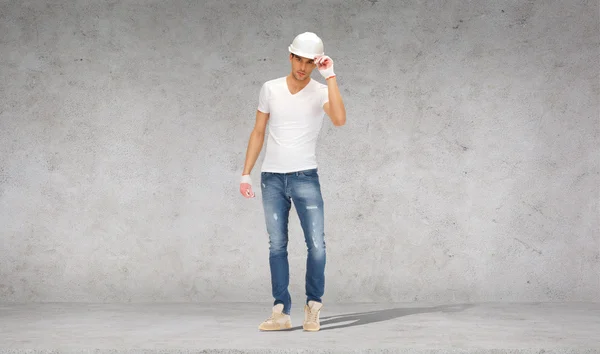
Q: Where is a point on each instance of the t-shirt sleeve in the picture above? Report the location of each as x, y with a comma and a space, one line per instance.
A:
324, 95
263, 99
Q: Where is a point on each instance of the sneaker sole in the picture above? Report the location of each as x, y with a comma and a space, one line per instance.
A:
287, 326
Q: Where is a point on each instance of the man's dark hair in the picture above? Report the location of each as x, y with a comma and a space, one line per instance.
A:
297, 56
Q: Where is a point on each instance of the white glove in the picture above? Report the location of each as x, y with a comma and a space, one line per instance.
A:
325, 66
246, 186
246, 179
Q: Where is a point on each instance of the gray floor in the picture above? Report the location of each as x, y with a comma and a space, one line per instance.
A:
360, 328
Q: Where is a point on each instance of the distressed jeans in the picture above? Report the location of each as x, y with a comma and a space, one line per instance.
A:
302, 188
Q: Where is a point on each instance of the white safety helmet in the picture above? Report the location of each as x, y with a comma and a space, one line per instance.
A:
307, 45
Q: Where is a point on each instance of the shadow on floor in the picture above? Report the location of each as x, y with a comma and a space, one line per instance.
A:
363, 318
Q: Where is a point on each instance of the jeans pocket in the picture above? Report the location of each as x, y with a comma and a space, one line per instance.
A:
263, 177
309, 173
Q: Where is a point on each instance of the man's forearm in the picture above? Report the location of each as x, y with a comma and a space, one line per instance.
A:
255, 144
336, 104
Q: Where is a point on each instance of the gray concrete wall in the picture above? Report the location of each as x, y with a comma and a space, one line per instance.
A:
468, 170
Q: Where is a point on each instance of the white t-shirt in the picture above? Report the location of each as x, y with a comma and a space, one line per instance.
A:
294, 124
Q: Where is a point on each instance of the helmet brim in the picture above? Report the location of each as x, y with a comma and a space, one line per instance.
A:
311, 56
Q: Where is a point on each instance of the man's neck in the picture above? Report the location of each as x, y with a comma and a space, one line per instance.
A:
296, 85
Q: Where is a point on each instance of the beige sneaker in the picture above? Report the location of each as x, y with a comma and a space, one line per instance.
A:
311, 316
277, 321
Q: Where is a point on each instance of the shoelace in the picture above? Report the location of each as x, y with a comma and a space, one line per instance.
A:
272, 318
312, 316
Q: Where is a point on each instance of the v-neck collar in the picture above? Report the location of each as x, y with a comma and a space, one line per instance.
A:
297, 93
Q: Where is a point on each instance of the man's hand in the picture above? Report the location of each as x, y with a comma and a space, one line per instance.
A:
246, 187
325, 66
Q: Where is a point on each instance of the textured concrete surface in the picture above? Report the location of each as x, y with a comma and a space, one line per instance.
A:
402, 328
468, 169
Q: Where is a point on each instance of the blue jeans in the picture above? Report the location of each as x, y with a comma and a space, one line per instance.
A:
302, 188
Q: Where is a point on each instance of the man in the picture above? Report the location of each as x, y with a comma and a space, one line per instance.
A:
294, 106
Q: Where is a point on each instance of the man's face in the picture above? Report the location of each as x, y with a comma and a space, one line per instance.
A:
301, 67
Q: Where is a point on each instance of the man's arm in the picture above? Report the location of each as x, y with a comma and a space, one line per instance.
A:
257, 138
335, 107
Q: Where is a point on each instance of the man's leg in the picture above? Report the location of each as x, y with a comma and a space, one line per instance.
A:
276, 205
306, 195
